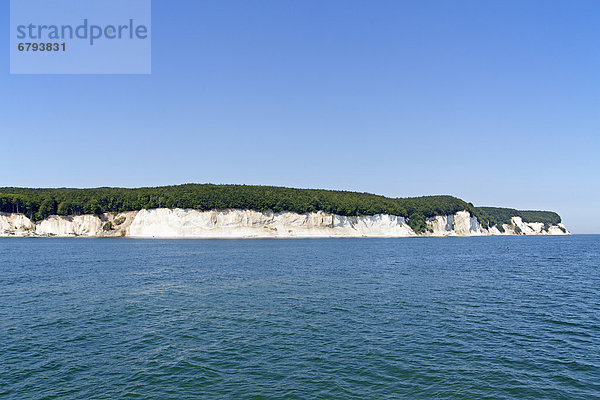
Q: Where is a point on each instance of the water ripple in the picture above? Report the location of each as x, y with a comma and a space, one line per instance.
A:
444, 318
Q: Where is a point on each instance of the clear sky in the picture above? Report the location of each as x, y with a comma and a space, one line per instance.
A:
496, 102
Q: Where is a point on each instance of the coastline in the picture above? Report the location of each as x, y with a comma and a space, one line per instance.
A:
164, 223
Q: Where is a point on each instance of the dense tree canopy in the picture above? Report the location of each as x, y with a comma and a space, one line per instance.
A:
38, 204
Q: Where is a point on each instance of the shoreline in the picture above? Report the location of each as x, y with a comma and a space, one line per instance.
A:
169, 223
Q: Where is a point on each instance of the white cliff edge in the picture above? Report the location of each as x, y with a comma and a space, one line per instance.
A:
463, 224
179, 223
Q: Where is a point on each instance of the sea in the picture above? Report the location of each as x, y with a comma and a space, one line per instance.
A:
513, 317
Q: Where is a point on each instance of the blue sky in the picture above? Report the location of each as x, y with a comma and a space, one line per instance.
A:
496, 102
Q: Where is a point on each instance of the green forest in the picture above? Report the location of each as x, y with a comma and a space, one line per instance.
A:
38, 204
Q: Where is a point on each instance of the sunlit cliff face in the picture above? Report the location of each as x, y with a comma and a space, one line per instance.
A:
179, 223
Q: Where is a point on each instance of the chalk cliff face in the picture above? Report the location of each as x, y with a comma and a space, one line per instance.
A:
79, 225
459, 224
248, 224
529, 228
15, 225
179, 223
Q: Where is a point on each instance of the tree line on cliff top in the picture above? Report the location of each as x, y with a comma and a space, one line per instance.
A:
38, 204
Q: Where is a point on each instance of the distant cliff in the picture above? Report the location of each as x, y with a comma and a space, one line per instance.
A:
48, 205
235, 223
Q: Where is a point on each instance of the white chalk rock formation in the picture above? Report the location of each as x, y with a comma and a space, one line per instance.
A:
167, 223
15, 225
78, 225
459, 224
179, 223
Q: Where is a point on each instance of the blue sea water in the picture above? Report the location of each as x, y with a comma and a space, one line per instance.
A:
417, 318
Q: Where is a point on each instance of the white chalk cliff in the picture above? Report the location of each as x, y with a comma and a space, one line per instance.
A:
179, 223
